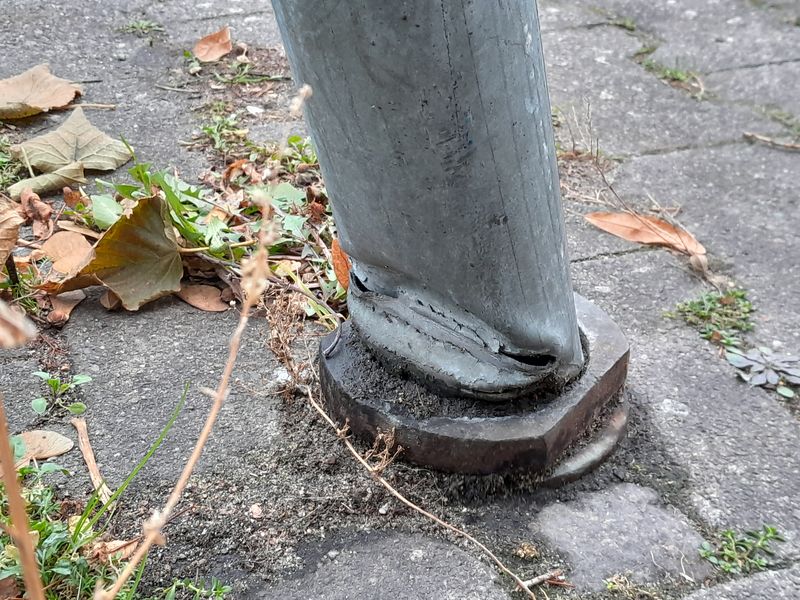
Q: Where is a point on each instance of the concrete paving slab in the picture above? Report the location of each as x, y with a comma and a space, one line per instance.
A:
411, 567
737, 443
140, 363
741, 203
774, 87
771, 585
632, 111
623, 531
713, 35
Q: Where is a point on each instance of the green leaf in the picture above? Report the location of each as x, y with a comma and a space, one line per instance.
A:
42, 374
51, 467
293, 224
213, 234
39, 406
784, 391
81, 379
105, 210
18, 447
77, 408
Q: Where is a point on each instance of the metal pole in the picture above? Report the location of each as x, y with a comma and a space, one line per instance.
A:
432, 124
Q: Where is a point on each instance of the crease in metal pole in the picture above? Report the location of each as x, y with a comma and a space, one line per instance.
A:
432, 124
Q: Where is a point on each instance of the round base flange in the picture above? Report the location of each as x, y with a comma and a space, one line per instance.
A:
463, 435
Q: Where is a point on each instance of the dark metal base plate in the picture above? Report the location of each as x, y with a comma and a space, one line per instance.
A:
467, 436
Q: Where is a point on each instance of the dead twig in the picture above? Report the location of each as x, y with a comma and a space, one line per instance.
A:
754, 137
20, 532
92, 105
540, 579
103, 491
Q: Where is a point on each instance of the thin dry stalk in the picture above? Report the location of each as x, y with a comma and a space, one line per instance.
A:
19, 517
375, 473
539, 580
254, 280
754, 137
98, 482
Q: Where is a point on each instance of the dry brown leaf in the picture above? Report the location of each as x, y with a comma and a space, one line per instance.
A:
85, 231
9, 589
137, 258
38, 213
214, 46
63, 304
71, 174
34, 91
110, 301
645, 229
10, 220
15, 327
76, 140
68, 250
341, 264
204, 297
73, 198
120, 549
41, 444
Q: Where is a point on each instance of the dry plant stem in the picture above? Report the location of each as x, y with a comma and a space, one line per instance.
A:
153, 526
376, 475
542, 578
88, 456
11, 269
91, 105
754, 137
19, 518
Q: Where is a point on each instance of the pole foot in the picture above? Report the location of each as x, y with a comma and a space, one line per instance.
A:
467, 435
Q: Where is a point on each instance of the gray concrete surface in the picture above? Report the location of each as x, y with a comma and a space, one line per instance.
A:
622, 530
716, 453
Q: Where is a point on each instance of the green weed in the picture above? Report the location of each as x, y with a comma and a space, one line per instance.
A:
243, 74
195, 589
11, 170
57, 390
736, 553
142, 28
626, 23
66, 546
720, 318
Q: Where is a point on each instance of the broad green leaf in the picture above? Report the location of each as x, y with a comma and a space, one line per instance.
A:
293, 224
105, 210
18, 447
213, 234
80, 379
137, 258
737, 360
42, 375
77, 408
76, 140
784, 391
70, 175
39, 406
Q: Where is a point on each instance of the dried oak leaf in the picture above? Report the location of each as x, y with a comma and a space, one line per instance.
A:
76, 140
645, 229
204, 297
213, 47
38, 212
341, 264
137, 258
10, 220
71, 174
15, 327
34, 91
